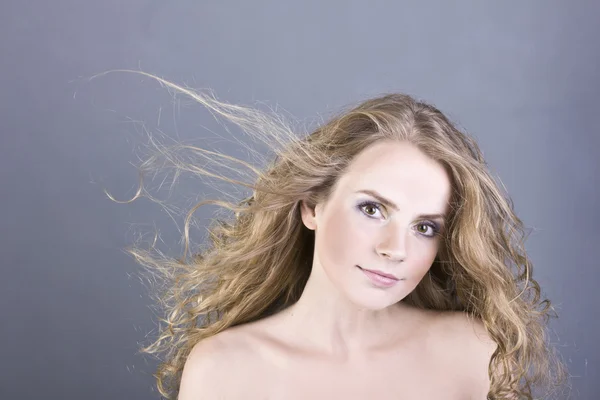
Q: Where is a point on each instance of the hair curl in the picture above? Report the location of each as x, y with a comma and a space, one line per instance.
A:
258, 261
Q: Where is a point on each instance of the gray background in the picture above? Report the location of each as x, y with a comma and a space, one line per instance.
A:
521, 76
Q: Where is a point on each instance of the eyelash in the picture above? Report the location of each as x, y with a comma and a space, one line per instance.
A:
434, 227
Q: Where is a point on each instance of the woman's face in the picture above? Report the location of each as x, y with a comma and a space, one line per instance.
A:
385, 214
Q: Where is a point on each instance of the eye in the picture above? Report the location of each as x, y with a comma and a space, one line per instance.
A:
371, 208
428, 229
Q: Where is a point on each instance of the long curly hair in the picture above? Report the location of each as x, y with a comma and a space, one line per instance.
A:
257, 261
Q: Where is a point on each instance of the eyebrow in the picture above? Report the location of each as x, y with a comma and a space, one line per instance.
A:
391, 204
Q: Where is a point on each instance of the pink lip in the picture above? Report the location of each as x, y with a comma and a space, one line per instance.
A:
380, 273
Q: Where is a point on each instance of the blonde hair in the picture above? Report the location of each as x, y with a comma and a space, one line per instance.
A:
259, 260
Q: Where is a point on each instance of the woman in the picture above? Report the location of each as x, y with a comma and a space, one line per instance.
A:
375, 258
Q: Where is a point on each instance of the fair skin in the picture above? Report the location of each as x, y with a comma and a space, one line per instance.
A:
349, 336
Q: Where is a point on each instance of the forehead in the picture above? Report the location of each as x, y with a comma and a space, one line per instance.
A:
401, 172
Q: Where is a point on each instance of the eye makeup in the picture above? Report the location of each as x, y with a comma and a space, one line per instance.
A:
435, 227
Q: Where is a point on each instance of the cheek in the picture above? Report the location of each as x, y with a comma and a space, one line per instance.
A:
342, 239
422, 257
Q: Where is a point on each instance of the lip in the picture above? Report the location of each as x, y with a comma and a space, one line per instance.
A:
379, 273
378, 280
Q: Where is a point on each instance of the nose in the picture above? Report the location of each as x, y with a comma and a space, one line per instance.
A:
393, 244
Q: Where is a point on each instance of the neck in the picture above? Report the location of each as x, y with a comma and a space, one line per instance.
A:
327, 321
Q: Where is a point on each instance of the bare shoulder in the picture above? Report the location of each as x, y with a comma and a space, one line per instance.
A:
467, 341
470, 331
208, 369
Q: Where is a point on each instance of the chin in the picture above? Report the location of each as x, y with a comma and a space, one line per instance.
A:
374, 303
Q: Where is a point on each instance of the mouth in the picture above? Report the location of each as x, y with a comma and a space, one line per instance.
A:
379, 273
379, 279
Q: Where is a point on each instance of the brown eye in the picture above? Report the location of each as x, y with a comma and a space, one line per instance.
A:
428, 229
369, 208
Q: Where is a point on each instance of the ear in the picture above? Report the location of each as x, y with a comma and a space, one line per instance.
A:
308, 215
